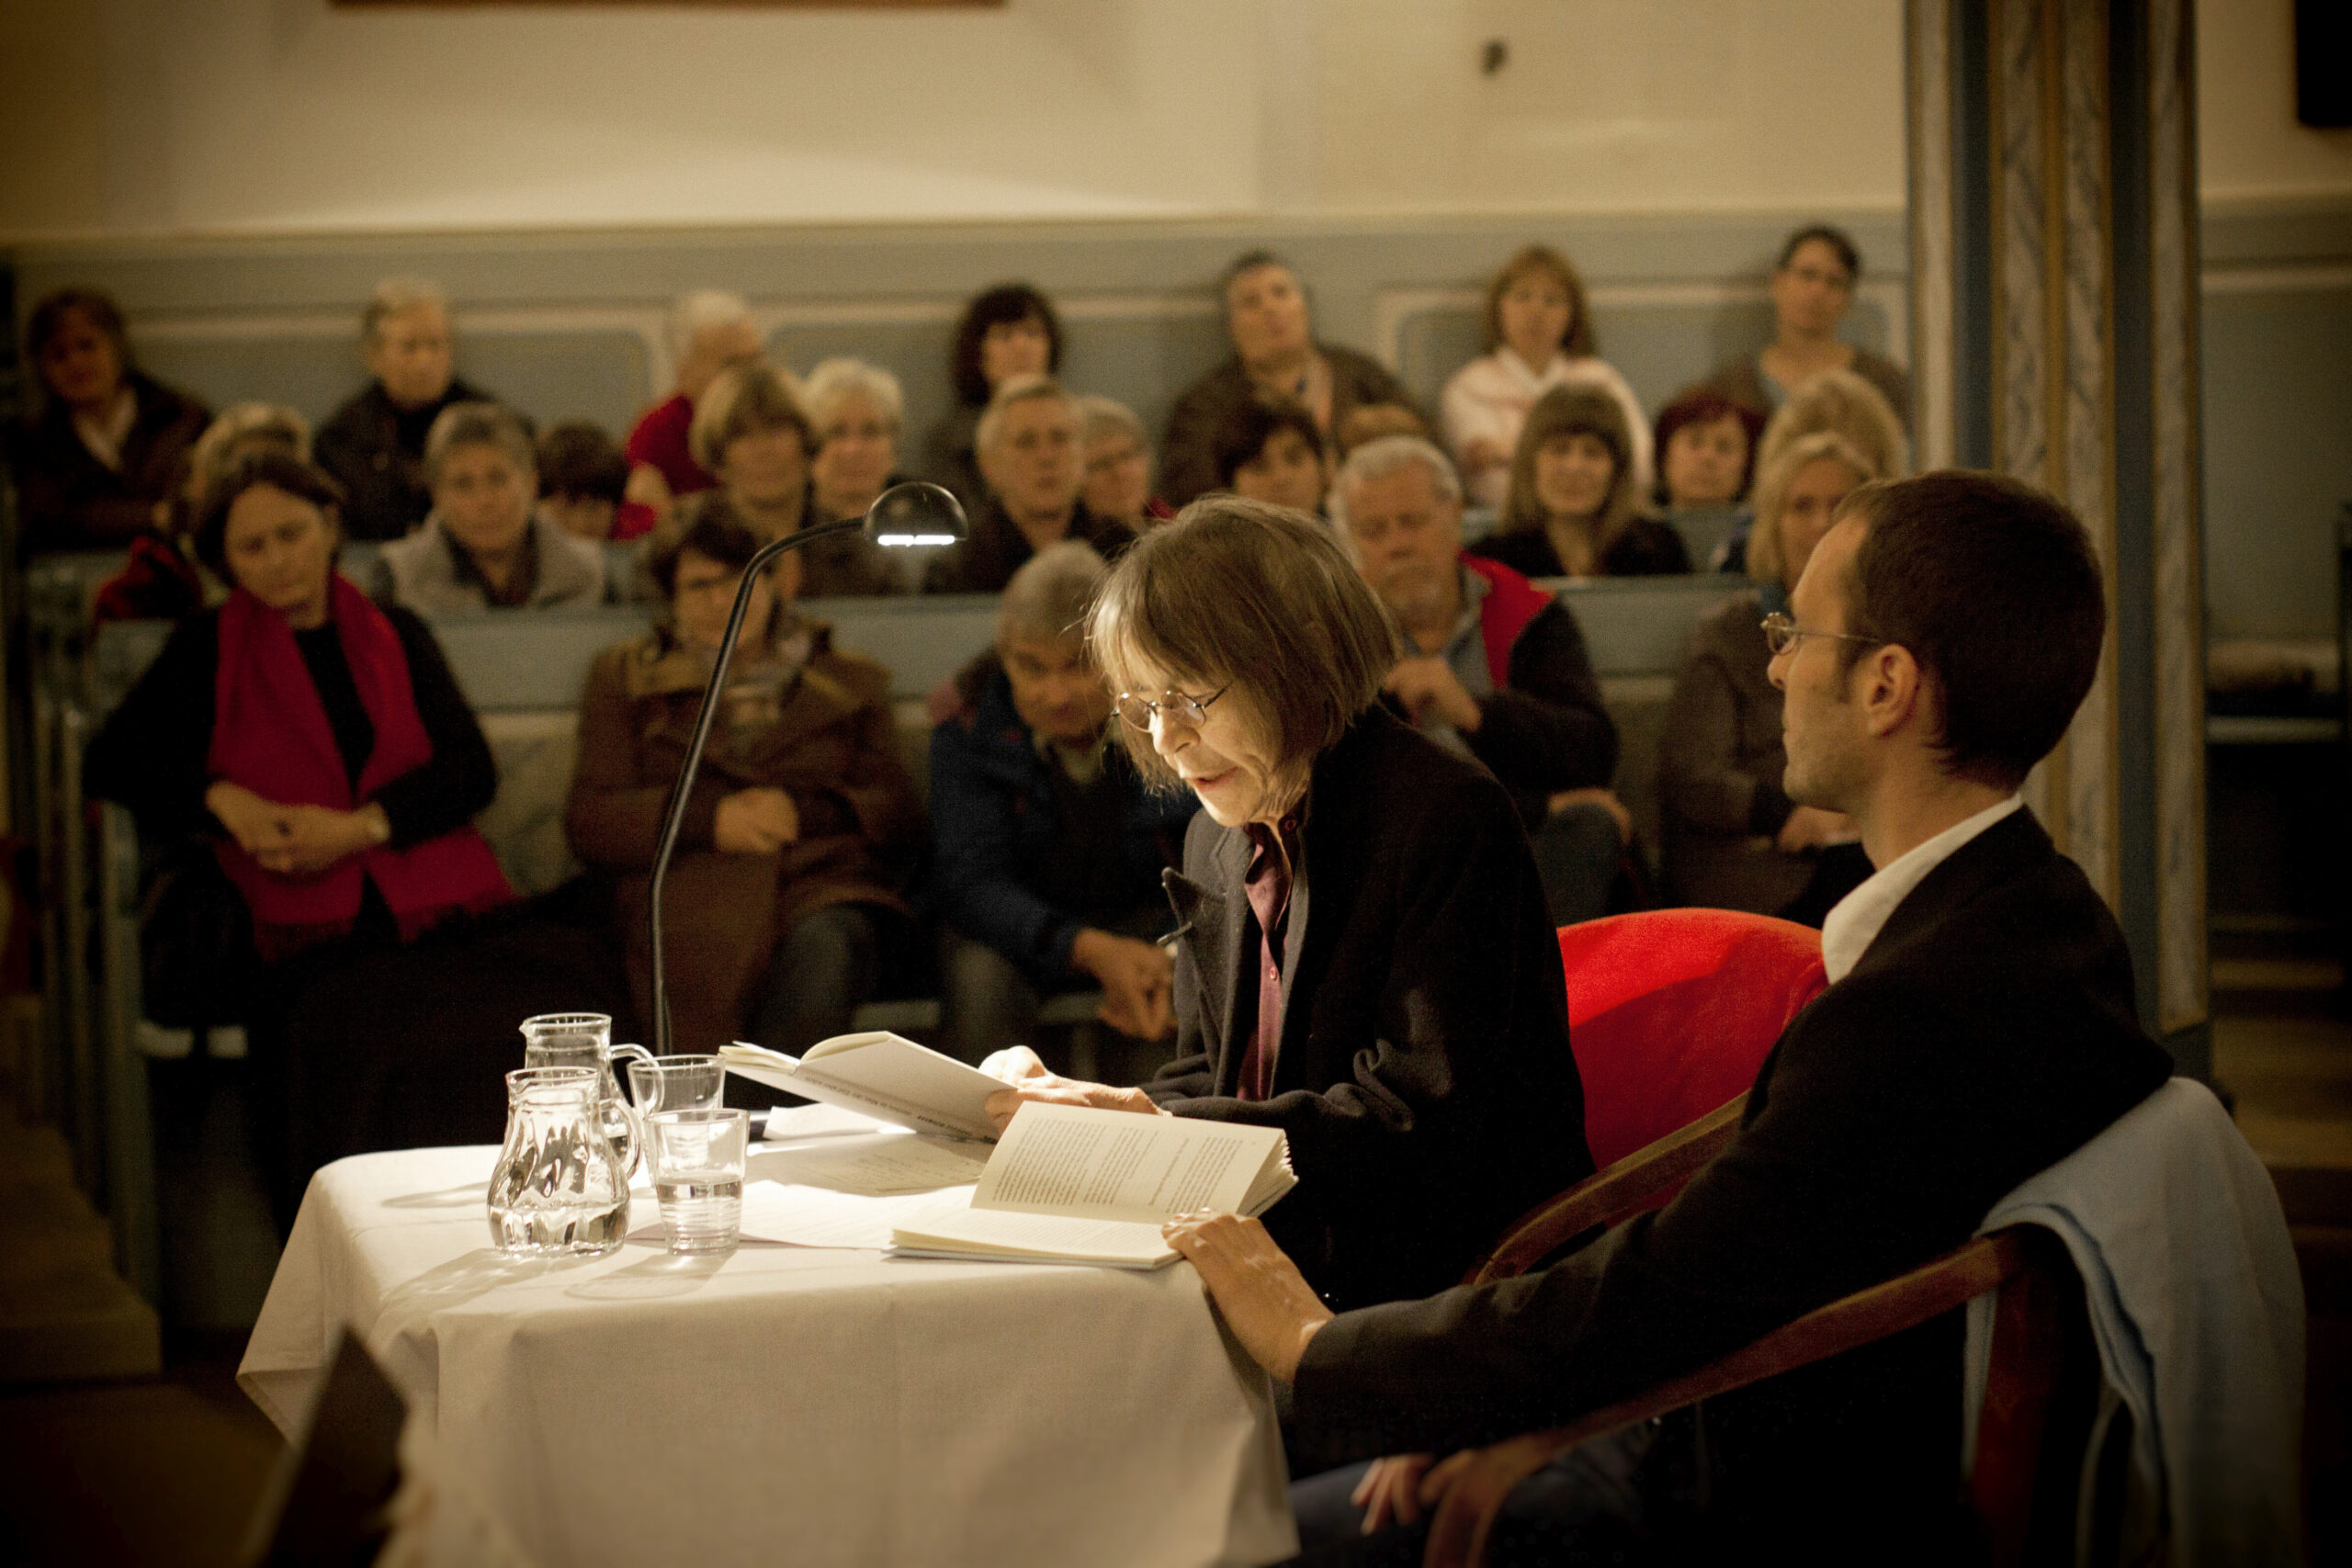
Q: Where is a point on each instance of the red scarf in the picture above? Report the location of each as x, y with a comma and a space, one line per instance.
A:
270, 734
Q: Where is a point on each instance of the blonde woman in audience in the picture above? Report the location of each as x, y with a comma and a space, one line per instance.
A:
1276, 356
753, 430
1836, 401
784, 897
162, 580
1539, 336
856, 408
374, 446
487, 545
1734, 840
1812, 287
1006, 332
710, 331
1573, 509
1118, 464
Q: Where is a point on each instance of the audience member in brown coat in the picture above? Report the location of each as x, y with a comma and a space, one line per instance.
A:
785, 894
98, 463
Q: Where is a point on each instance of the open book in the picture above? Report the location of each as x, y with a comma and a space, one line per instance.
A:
1074, 1184
885, 1075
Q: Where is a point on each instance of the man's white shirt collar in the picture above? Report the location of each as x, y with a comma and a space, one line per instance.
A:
1856, 921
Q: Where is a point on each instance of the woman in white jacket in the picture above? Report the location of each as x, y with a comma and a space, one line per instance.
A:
1539, 336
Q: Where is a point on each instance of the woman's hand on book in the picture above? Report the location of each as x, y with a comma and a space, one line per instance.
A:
1266, 1301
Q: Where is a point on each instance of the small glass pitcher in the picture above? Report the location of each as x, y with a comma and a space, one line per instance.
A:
560, 1188
586, 1040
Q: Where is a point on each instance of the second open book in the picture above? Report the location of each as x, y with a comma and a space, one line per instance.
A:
1073, 1184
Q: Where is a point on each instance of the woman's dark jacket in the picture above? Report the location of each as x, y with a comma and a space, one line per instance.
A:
152, 754
1010, 869
67, 499
1646, 548
1424, 1078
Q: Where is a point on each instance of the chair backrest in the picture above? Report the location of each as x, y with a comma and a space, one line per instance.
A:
1671, 1011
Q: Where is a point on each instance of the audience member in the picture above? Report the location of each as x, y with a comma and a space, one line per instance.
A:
1572, 507
753, 429
1706, 446
1979, 1026
305, 769
1006, 332
1812, 284
785, 897
583, 479
1028, 446
162, 581
1494, 667
1734, 838
1269, 450
856, 408
1276, 356
1407, 1024
375, 444
1539, 336
1370, 422
710, 331
98, 462
1047, 847
1836, 401
486, 545
1118, 464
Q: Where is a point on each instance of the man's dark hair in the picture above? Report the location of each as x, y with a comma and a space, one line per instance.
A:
279, 471
1243, 437
709, 526
578, 459
1992, 586
1001, 306
1836, 238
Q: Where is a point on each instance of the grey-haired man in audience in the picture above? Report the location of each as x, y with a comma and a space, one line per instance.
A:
375, 444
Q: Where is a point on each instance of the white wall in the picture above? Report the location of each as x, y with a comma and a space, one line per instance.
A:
2250, 146
154, 116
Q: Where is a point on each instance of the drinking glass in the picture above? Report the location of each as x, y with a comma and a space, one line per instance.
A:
676, 1083
697, 1158
586, 1040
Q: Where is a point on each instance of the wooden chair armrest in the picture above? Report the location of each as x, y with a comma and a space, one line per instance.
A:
1459, 1534
1609, 1195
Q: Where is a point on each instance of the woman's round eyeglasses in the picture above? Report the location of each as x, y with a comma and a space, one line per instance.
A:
1140, 710
1782, 634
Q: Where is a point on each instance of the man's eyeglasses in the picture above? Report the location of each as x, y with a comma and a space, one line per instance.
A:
1140, 710
1782, 634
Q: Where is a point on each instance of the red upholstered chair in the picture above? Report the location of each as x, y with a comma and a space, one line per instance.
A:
1671, 1012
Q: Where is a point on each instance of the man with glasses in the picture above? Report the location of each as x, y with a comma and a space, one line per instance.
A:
1979, 1027
1028, 444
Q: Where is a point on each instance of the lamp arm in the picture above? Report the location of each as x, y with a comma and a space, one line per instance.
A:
673, 816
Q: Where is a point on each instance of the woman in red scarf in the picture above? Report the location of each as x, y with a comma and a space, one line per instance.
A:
316, 747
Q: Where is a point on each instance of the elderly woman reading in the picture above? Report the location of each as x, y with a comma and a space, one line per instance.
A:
1365, 957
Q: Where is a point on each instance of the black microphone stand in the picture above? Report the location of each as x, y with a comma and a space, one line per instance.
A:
946, 524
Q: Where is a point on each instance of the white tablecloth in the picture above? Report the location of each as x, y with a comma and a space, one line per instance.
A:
783, 1404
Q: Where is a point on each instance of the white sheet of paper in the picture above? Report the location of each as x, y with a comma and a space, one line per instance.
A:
820, 1122
873, 1166
811, 1216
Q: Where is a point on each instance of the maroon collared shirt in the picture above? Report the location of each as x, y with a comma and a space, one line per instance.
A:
1266, 886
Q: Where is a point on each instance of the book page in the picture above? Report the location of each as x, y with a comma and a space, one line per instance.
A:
1119, 1165
885, 1162
880, 1075
983, 1232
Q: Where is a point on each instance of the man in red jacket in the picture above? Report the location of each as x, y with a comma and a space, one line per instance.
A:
1495, 667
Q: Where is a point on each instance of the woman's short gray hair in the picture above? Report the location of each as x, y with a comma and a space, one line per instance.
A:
834, 381
1048, 598
395, 295
478, 424
1099, 416
1252, 596
702, 310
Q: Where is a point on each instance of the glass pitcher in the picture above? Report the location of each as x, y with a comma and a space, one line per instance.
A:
586, 1040
560, 1188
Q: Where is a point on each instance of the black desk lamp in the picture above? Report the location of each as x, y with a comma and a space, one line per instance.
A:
903, 516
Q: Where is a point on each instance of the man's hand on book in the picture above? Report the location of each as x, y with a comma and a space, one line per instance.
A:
1266, 1301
